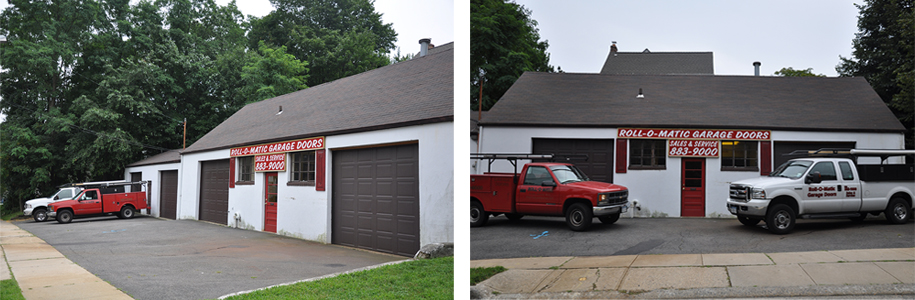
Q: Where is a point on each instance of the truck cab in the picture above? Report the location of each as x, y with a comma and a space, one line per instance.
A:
546, 189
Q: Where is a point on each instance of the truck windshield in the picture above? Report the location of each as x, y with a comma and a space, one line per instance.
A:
792, 169
568, 174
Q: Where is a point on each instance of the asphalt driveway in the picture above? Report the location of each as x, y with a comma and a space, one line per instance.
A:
151, 258
549, 236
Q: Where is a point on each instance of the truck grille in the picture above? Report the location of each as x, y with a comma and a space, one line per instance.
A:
739, 192
615, 198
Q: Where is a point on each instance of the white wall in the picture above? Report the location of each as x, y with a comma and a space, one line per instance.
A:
658, 191
152, 173
305, 213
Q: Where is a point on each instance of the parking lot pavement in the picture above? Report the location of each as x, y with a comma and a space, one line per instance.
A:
149, 258
867, 272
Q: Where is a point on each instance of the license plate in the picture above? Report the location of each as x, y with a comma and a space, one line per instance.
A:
733, 209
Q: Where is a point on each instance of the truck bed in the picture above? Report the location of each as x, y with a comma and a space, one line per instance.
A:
495, 191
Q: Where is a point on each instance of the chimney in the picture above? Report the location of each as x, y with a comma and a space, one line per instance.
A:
613, 49
424, 46
756, 68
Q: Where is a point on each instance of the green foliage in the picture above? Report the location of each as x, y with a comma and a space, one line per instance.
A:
9, 290
504, 43
789, 72
419, 279
478, 275
272, 72
338, 38
884, 54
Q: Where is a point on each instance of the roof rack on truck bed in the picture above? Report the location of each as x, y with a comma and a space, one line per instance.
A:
514, 157
853, 153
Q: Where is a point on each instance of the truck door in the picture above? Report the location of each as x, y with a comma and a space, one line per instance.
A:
532, 196
823, 197
90, 202
852, 200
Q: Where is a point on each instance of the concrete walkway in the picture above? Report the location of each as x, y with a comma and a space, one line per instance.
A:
43, 273
631, 276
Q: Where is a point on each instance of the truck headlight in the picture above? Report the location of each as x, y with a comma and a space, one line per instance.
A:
50, 208
602, 199
758, 193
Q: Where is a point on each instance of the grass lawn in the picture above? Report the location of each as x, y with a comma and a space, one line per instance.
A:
479, 274
9, 290
419, 279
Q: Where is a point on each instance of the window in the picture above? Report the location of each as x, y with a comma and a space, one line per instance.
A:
64, 194
846, 171
246, 169
739, 156
303, 168
826, 169
648, 154
536, 176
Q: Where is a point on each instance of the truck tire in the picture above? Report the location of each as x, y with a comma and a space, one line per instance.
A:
781, 219
609, 219
478, 216
40, 215
126, 212
514, 217
64, 216
579, 217
897, 212
748, 221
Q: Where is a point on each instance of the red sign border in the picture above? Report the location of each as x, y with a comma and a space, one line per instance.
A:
619, 130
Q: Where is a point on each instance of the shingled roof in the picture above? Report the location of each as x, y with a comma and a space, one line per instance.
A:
417, 91
659, 63
167, 157
701, 101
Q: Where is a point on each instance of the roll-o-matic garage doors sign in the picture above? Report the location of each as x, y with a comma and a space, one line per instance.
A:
279, 147
695, 134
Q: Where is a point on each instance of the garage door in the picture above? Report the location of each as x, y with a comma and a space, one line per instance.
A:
599, 166
782, 148
214, 191
168, 195
376, 199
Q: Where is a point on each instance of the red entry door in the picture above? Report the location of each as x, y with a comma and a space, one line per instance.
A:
270, 202
692, 195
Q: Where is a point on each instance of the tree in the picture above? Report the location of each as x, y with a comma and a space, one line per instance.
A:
789, 72
884, 54
270, 73
504, 43
338, 38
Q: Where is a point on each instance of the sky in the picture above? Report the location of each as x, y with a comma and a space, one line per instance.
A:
778, 33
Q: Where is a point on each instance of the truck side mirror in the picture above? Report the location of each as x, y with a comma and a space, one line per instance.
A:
548, 183
814, 177
56, 197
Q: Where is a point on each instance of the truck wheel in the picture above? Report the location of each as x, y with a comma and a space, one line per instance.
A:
579, 217
897, 212
748, 221
126, 212
478, 216
609, 219
514, 217
40, 215
64, 216
780, 219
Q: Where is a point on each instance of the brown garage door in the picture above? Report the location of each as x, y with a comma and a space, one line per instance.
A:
168, 195
376, 199
599, 166
214, 191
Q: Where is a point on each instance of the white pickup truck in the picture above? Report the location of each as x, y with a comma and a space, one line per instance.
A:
38, 207
826, 184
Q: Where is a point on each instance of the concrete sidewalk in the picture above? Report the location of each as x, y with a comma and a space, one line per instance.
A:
43, 273
869, 271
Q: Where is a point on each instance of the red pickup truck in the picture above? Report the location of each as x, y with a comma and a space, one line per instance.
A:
545, 189
100, 201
